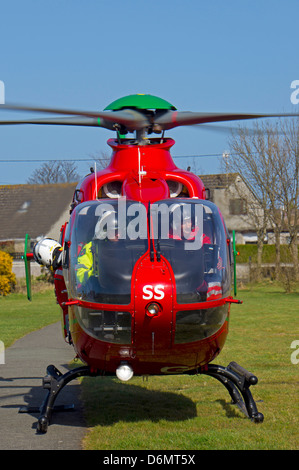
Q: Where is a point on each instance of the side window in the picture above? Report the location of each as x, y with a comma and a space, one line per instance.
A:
177, 189
110, 190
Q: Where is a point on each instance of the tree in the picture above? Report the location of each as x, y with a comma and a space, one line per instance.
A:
101, 159
249, 158
287, 169
55, 172
268, 160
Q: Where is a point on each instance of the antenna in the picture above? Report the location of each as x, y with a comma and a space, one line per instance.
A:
139, 166
95, 179
141, 171
225, 157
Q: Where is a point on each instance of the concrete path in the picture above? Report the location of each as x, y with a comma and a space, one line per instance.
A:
21, 385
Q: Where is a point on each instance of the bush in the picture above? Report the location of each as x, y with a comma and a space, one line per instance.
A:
7, 277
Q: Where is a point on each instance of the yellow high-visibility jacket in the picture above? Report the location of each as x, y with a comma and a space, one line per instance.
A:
85, 263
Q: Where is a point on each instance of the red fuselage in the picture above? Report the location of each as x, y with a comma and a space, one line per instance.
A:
163, 341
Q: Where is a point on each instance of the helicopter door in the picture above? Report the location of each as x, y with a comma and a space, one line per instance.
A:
153, 309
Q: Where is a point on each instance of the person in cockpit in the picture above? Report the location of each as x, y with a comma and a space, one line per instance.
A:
85, 267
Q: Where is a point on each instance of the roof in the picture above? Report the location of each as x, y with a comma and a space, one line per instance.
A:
32, 209
218, 181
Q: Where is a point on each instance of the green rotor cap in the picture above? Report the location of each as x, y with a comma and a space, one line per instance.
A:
139, 101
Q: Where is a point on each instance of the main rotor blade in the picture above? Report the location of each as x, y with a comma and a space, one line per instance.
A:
68, 121
171, 119
131, 119
232, 129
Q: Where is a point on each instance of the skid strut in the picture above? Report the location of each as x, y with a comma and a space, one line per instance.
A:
54, 382
237, 380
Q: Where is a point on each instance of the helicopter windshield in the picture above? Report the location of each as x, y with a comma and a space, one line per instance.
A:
107, 239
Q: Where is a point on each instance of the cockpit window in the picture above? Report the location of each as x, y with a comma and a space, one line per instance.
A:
192, 237
104, 250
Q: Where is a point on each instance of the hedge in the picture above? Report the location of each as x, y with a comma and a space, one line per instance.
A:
268, 256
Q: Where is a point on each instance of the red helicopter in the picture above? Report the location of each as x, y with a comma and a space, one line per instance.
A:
143, 269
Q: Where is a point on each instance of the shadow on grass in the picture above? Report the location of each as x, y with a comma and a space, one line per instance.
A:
107, 401
231, 410
26, 392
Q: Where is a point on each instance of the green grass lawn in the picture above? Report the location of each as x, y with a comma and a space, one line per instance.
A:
188, 413
18, 316
182, 412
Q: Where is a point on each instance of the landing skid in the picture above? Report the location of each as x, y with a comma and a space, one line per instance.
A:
237, 381
235, 378
54, 382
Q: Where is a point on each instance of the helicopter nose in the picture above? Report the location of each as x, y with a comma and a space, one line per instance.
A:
124, 372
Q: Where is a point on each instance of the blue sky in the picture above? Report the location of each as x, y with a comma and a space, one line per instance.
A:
234, 56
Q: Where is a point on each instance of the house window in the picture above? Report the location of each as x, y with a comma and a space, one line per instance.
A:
237, 207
